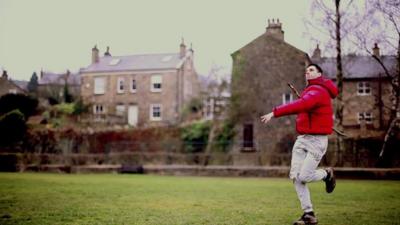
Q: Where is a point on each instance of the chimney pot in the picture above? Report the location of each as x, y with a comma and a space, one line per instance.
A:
275, 29
375, 50
95, 54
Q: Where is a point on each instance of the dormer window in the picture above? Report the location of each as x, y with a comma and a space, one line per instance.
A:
166, 58
114, 62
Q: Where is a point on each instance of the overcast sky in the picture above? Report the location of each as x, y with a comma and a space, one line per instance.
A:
59, 34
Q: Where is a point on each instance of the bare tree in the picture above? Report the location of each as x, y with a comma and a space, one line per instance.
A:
383, 27
330, 20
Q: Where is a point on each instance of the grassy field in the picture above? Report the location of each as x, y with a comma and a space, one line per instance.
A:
37, 198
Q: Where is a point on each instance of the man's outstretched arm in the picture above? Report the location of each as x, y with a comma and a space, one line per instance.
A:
267, 117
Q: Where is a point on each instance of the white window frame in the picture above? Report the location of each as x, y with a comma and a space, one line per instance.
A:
121, 85
152, 118
156, 79
131, 85
120, 109
284, 97
99, 109
99, 86
368, 117
364, 88
13, 91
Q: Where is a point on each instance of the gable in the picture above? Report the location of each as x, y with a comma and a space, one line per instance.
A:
268, 41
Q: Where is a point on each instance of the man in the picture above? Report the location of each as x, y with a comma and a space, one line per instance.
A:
314, 123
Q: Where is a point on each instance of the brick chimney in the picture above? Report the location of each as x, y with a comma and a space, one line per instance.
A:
375, 50
95, 54
317, 53
274, 29
182, 51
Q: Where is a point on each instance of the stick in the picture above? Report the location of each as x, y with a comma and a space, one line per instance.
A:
298, 95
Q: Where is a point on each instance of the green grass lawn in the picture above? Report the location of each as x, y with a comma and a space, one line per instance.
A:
37, 198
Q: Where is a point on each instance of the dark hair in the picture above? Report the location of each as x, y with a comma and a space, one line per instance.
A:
316, 66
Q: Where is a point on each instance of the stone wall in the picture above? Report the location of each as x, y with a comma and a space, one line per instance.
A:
261, 71
143, 97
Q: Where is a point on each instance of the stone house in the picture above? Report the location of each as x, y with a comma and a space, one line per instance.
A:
260, 73
140, 90
366, 91
51, 85
7, 86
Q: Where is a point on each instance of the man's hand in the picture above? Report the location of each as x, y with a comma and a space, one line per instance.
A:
267, 117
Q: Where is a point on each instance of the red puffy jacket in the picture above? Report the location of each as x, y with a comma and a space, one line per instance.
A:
314, 107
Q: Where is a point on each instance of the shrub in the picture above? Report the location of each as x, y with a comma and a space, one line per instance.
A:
224, 137
80, 107
12, 127
25, 104
65, 108
195, 136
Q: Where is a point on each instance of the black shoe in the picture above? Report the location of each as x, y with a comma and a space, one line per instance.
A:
307, 219
330, 181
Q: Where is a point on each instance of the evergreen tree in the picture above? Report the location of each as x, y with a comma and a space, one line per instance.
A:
68, 98
33, 83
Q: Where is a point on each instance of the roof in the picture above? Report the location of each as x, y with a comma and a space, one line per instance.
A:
5, 82
357, 67
135, 63
59, 78
270, 39
22, 84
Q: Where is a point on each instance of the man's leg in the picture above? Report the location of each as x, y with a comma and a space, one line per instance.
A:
299, 155
314, 149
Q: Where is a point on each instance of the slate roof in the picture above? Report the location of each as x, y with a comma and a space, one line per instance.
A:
22, 84
135, 63
59, 78
357, 67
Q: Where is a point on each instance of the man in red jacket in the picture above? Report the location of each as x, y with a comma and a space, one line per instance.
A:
314, 123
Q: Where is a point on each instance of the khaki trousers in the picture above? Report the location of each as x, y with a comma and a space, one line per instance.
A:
307, 153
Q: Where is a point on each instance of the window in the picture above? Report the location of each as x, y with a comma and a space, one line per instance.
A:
120, 110
99, 85
286, 98
120, 85
98, 109
248, 136
114, 62
155, 112
133, 85
363, 88
166, 58
156, 81
366, 117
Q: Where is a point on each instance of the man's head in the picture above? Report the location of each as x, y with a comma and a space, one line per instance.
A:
313, 71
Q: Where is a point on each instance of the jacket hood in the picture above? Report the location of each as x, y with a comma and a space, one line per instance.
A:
327, 84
